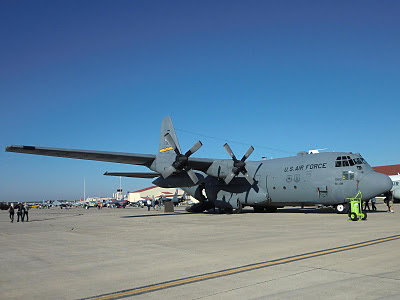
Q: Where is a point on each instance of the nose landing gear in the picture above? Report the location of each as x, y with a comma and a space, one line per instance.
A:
342, 208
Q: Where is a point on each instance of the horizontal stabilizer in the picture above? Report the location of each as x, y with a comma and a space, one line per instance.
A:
134, 174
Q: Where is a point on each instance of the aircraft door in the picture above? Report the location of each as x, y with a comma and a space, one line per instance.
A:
273, 184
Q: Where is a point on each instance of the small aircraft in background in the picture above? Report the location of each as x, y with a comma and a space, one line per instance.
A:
325, 179
396, 187
176, 199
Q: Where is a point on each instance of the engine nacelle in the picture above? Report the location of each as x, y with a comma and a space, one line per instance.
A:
178, 180
220, 168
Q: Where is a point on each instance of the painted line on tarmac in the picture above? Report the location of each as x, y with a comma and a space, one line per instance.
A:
227, 272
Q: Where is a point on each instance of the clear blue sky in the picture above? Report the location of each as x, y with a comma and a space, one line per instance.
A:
282, 76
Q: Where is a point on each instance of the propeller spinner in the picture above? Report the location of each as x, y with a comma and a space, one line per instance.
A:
181, 161
239, 166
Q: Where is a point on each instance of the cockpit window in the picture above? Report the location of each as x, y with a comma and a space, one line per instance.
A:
346, 161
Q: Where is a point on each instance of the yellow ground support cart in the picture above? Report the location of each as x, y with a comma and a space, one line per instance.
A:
356, 212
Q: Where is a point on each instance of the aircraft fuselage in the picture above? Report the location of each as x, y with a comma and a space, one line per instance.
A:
307, 179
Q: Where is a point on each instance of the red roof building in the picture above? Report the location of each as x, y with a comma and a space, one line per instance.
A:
388, 170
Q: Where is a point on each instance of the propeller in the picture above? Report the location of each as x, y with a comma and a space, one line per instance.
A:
181, 160
239, 166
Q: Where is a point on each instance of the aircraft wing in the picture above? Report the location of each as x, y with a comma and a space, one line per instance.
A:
201, 164
116, 157
134, 174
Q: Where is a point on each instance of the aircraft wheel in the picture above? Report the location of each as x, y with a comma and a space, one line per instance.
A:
271, 209
258, 209
365, 216
340, 208
353, 216
196, 208
239, 209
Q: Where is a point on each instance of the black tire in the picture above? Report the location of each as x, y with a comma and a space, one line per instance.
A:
239, 209
353, 217
365, 216
342, 208
258, 209
271, 209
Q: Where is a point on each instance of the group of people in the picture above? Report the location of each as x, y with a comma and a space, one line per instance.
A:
388, 201
373, 202
22, 212
155, 204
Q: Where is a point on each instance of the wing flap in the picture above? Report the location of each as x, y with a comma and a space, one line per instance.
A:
115, 157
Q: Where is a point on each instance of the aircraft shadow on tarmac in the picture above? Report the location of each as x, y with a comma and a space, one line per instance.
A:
307, 211
250, 211
158, 215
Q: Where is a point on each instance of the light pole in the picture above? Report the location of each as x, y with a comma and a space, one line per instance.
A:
84, 189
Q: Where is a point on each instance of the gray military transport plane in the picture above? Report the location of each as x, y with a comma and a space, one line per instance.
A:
326, 178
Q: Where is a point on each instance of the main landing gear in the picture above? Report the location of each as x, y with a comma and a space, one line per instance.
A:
200, 207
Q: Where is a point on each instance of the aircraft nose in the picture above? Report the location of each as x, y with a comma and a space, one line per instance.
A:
375, 184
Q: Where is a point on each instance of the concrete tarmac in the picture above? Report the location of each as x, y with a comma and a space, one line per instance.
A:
111, 253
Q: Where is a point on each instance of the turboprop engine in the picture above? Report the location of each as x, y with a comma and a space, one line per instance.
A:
230, 169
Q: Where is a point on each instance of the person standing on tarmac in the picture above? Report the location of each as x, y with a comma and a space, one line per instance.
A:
19, 212
12, 212
148, 204
373, 201
22, 212
25, 211
389, 202
366, 205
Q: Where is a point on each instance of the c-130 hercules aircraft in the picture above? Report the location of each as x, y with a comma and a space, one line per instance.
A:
230, 184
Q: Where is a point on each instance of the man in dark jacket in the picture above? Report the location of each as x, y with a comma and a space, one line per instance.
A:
12, 212
19, 212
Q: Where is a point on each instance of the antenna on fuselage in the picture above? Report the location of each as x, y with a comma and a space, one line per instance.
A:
314, 151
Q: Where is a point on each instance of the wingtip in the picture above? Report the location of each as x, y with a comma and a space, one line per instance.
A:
16, 148
10, 148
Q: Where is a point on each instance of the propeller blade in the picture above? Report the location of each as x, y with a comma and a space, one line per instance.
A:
192, 176
168, 171
248, 153
248, 177
229, 178
171, 142
230, 152
194, 148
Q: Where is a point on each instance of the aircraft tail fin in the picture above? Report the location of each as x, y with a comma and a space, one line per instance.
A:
164, 147
175, 198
